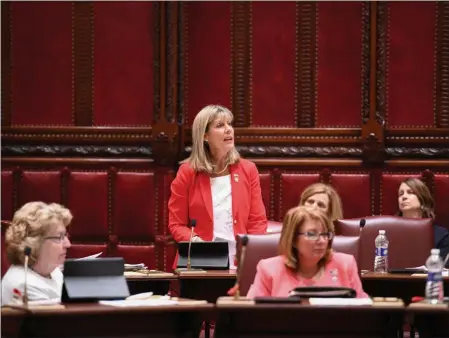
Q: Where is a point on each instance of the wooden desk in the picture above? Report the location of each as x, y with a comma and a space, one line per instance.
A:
403, 286
11, 322
284, 320
208, 285
94, 320
429, 320
157, 282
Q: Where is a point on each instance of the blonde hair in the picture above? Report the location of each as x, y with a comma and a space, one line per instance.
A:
425, 198
201, 158
293, 222
29, 225
335, 209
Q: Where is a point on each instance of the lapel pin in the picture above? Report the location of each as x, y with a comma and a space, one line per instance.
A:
334, 274
236, 177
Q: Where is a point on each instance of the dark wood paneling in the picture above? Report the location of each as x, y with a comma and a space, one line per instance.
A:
305, 64
6, 63
442, 71
83, 61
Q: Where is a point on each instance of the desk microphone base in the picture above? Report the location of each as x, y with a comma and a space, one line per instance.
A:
186, 271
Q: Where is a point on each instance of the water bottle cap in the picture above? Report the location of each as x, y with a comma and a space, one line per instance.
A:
435, 251
381, 232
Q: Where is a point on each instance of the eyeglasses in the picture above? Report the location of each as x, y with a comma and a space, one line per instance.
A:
58, 239
313, 236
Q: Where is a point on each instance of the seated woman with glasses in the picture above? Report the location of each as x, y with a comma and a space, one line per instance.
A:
306, 258
39, 229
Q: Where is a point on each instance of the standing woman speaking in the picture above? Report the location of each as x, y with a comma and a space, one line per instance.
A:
215, 186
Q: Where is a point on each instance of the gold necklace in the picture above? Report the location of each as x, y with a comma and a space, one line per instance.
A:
221, 172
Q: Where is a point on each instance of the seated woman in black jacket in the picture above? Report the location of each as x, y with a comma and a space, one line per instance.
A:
416, 201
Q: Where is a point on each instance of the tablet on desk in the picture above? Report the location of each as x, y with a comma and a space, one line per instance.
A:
204, 255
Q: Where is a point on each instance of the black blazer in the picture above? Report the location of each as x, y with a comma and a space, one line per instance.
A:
441, 241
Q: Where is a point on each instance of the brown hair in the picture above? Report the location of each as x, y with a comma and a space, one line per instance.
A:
425, 198
293, 221
29, 225
335, 209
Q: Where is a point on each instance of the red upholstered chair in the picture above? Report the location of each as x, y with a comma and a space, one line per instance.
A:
348, 227
348, 245
274, 226
4, 262
265, 246
410, 239
259, 247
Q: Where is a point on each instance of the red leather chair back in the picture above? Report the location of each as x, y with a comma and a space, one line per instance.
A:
348, 227
410, 239
4, 263
348, 245
274, 226
258, 247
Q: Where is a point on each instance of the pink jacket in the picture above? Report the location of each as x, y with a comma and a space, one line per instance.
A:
273, 278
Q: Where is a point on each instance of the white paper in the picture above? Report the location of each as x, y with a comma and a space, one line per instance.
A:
135, 266
90, 257
141, 296
139, 302
53, 301
340, 301
422, 267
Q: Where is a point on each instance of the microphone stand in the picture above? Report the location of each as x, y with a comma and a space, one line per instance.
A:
189, 263
25, 287
240, 266
188, 269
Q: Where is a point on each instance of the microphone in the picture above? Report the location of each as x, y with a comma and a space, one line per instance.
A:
362, 223
7, 223
27, 252
244, 242
192, 225
188, 267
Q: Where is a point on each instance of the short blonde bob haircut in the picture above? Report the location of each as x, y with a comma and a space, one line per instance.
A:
293, 223
335, 209
31, 223
425, 198
201, 158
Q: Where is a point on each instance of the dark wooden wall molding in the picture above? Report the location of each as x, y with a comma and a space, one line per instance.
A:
241, 62
83, 61
442, 72
6, 63
305, 61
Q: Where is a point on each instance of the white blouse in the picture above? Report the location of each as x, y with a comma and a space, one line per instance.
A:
38, 288
222, 211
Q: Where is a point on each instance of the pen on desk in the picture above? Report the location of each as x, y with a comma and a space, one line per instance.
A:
445, 260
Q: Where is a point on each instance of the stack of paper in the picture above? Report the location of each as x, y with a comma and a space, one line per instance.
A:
340, 301
423, 268
139, 302
135, 267
90, 257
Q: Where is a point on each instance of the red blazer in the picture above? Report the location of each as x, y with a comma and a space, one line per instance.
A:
191, 198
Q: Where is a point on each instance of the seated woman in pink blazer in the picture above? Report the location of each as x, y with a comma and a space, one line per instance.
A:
306, 258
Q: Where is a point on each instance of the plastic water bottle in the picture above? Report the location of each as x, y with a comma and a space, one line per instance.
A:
434, 284
381, 258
